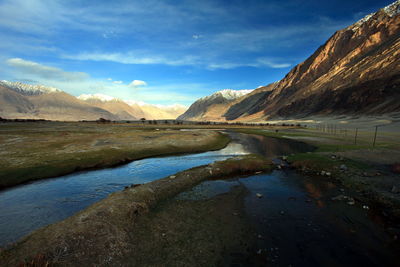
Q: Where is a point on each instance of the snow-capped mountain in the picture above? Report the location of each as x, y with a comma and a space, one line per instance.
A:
227, 94
130, 110
390, 11
28, 89
24, 101
97, 97
356, 72
210, 104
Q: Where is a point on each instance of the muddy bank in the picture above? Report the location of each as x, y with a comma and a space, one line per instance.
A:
375, 185
101, 233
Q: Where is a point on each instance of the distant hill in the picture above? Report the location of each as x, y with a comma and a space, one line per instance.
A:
212, 107
25, 101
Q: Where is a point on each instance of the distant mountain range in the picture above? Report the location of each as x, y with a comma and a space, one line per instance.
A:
25, 101
211, 107
356, 72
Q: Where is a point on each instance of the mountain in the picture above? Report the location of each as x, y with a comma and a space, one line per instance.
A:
24, 101
162, 112
356, 72
212, 107
131, 110
114, 105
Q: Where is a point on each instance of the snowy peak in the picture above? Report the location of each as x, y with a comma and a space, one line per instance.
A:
228, 94
390, 10
28, 89
97, 97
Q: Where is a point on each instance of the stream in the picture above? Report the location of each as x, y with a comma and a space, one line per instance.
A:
28, 207
295, 221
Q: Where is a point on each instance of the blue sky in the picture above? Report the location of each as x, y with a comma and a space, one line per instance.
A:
164, 52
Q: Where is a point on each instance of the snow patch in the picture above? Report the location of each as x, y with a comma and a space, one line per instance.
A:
28, 89
99, 97
228, 94
391, 10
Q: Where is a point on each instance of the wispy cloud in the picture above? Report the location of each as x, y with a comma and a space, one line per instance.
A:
30, 68
78, 83
133, 58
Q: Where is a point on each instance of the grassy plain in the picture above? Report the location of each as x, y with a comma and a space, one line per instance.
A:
35, 150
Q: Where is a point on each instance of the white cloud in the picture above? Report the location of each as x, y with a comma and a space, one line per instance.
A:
78, 83
260, 62
137, 83
132, 58
118, 82
33, 69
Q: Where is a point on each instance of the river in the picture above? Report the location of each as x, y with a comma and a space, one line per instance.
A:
295, 220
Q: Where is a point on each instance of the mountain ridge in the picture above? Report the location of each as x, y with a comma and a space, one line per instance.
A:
25, 101
355, 72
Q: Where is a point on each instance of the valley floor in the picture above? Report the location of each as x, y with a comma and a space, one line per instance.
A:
245, 222
37, 150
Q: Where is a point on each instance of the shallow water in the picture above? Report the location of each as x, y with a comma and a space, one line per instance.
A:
296, 223
31, 206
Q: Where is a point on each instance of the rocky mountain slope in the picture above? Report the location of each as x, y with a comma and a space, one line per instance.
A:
130, 110
357, 71
212, 107
24, 101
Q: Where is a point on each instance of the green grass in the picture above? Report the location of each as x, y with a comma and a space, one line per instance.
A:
44, 152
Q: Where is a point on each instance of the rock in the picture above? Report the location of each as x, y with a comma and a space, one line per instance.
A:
343, 167
351, 201
259, 251
282, 212
257, 172
172, 177
279, 167
339, 197
259, 236
323, 173
365, 207
395, 190
284, 158
328, 174
259, 195
333, 157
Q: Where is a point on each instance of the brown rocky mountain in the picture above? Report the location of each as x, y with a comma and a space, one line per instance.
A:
28, 102
357, 71
129, 110
212, 107
25, 101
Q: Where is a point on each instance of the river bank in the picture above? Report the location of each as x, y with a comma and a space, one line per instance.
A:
371, 172
39, 150
100, 234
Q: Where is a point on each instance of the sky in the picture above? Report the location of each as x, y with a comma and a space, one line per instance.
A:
165, 52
